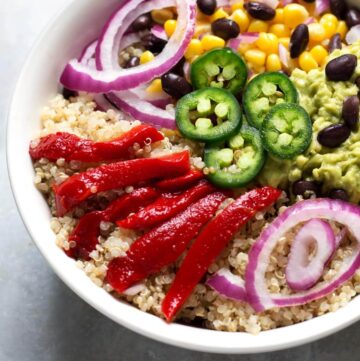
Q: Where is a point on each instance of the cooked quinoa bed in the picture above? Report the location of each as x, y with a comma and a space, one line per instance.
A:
205, 307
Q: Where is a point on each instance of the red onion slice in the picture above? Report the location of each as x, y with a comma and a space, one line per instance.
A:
129, 39
271, 3
159, 32
228, 285
284, 55
342, 212
302, 274
245, 38
321, 6
77, 76
353, 35
88, 53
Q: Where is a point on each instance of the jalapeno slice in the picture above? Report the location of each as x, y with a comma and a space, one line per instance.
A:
286, 131
208, 115
219, 68
265, 91
238, 161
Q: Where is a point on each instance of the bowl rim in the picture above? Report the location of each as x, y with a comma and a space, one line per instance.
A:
147, 324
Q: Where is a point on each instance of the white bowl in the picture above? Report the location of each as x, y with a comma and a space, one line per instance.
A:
75, 26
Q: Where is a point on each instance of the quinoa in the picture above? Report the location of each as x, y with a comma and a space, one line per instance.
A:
205, 307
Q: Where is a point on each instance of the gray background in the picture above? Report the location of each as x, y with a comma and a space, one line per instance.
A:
40, 319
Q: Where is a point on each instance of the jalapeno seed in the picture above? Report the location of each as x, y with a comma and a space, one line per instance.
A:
207, 7
225, 28
338, 8
341, 68
350, 112
339, 194
334, 135
299, 40
306, 188
352, 18
175, 85
335, 42
259, 10
132, 62
143, 22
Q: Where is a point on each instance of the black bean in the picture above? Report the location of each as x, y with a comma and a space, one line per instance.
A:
152, 43
260, 11
179, 67
350, 112
207, 7
175, 85
299, 40
357, 82
341, 68
352, 18
338, 193
309, 1
132, 62
333, 135
67, 93
306, 188
335, 42
338, 8
225, 28
143, 22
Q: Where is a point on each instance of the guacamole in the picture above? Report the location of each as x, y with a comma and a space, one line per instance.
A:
333, 168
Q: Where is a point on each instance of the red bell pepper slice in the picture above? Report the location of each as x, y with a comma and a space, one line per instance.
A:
71, 147
87, 231
79, 187
210, 243
166, 207
162, 245
179, 183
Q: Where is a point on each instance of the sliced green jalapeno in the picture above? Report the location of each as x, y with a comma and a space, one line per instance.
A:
208, 115
265, 91
219, 68
286, 131
236, 162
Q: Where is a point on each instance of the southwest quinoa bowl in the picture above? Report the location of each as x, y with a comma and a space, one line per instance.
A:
257, 331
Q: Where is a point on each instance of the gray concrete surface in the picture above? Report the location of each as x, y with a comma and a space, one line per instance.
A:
40, 318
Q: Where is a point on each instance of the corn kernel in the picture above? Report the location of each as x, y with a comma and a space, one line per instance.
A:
307, 61
280, 30
279, 17
294, 15
170, 26
330, 24
273, 63
317, 33
194, 48
202, 28
258, 26
239, 5
146, 57
160, 16
209, 42
218, 14
242, 19
155, 86
243, 47
319, 53
268, 43
342, 29
255, 57
285, 42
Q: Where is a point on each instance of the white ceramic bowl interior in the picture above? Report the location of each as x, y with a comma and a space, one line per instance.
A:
78, 24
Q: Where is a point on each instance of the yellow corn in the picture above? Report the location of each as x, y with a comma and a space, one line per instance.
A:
258, 26
342, 29
209, 42
330, 24
195, 48
146, 57
268, 43
170, 26
317, 33
307, 61
279, 17
294, 15
242, 19
280, 30
244, 48
238, 5
202, 28
155, 86
285, 42
319, 53
160, 16
255, 57
218, 14
273, 63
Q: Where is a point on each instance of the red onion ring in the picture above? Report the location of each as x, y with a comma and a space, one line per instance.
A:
353, 35
322, 6
342, 212
159, 32
302, 274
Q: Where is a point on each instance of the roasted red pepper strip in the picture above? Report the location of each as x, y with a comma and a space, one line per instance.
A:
210, 243
179, 183
87, 231
81, 186
71, 147
166, 207
162, 245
